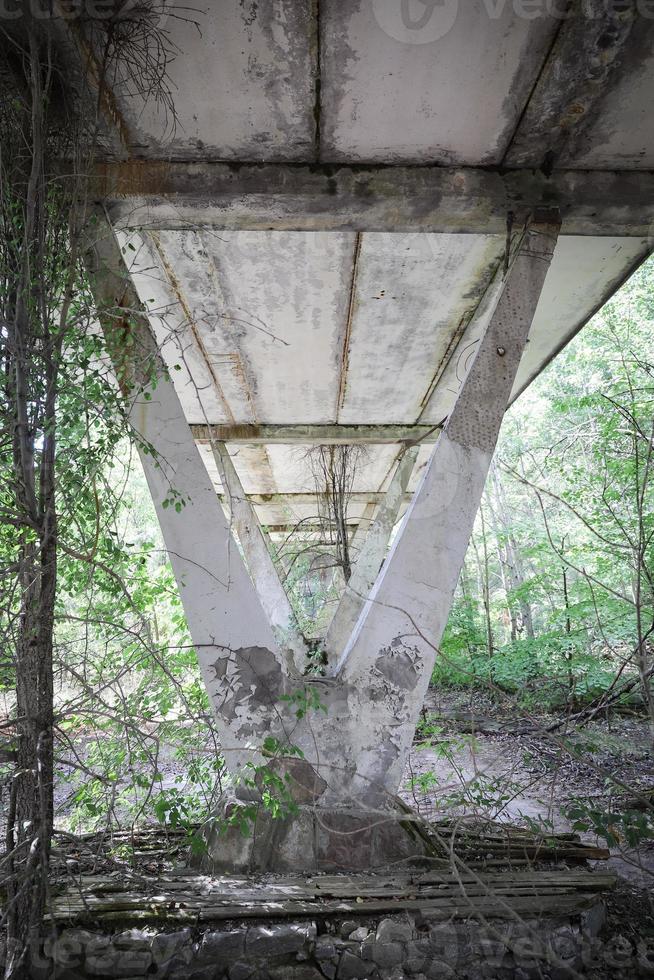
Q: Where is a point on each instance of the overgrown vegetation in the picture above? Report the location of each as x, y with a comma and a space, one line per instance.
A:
556, 602
61, 421
105, 721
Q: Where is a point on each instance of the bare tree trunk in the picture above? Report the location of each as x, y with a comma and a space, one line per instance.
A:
466, 595
513, 572
484, 575
30, 384
334, 469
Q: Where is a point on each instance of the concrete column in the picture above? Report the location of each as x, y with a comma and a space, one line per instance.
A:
259, 561
361, 530
244, 670
369, 560
388, 661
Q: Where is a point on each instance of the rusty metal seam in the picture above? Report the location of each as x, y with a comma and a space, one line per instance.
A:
345, 352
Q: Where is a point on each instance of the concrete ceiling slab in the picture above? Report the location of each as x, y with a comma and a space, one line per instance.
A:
324, 327
413, 295
326, 306
281, 301
195, 379
621, 133
584, 273
242, 81
293, 470
417, 82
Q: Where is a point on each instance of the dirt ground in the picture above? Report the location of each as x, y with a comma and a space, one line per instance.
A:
478, 757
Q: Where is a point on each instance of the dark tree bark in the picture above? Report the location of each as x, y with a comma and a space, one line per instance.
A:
31, 353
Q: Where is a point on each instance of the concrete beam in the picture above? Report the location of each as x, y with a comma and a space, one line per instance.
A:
362, 528
159, 194
369, 560
395, 641
303, 497
261, 567
321, 434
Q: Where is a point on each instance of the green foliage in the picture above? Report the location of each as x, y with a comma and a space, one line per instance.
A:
304, 701
557, 593
614, 827
483, 794
537, 671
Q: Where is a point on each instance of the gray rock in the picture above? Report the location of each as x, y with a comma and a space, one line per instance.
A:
167, 944
397, 973
136, 939
196, 973
240, 971
221, 948
490, 952
351, 967
117, 963
439, 970
304, 971
328, 969
347, 928
275, 940
394, 931
68, 948
645, 958
325, 949
593, 919
534, 972
76, 939
416, 956
387, 955
562, 972
447, 945
359, 934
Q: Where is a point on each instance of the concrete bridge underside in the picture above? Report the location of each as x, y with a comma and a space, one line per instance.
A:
358, 232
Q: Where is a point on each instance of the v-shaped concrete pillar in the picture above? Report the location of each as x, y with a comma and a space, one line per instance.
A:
369, 560
259, 561
245, 669
345, 738
388, 661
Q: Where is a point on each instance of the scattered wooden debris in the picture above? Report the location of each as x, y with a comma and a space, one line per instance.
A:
488, 843
464, 883
196, 899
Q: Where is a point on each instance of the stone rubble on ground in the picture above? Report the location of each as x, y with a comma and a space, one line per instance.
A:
391, 948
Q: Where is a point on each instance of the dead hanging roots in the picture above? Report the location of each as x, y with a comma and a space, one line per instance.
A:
334, 469
129, 48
